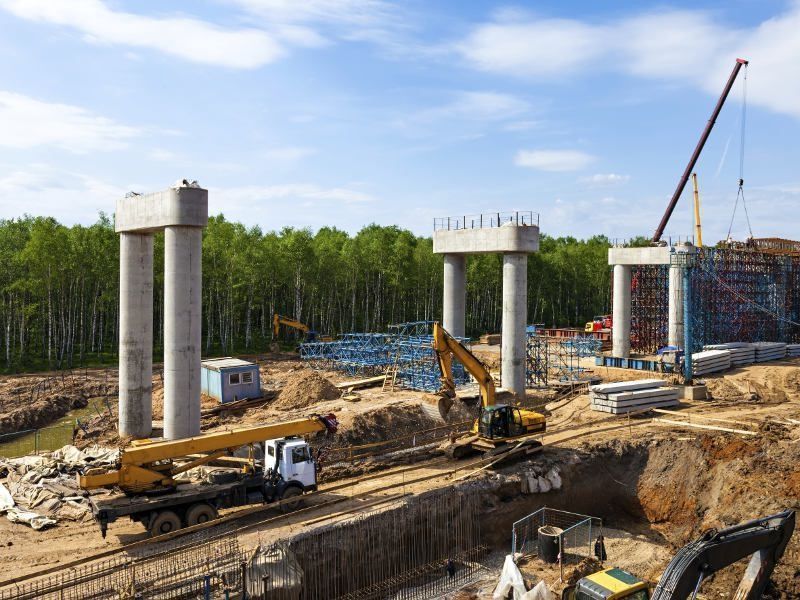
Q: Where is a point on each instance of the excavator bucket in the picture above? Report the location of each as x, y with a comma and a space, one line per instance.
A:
437, 406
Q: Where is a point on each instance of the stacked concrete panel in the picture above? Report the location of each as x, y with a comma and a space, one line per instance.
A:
742, 353
630, 396
793, 350
710, 361
769, 351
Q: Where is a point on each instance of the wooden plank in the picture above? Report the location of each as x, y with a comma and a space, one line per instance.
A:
362, 383
699, 426
689, 415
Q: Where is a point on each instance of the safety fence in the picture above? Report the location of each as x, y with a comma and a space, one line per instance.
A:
575, 534
428, 546
483, 220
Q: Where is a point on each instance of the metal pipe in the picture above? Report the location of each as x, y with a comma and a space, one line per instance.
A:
687, 325
698, 149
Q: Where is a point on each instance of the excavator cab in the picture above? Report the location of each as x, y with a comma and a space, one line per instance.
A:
498, 422
608, 584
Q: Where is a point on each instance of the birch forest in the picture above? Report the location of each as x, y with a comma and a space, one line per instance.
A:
59, 286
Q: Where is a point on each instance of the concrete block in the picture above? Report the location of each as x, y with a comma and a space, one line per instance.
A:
504, 239
187, 206
694, 392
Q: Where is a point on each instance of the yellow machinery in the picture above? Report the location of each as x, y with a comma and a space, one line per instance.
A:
149, 465
497, 424
309, 335
608, 584
697, 226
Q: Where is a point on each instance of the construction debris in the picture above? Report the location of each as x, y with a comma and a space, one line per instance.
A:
40, 490
630, 396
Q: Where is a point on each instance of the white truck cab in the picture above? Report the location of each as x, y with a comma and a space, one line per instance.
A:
291, 458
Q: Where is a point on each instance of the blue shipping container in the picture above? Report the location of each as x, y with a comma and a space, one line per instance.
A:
229, 379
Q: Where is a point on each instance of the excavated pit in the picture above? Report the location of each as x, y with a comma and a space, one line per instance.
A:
665, 491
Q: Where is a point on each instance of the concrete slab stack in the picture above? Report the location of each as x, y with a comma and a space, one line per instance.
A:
629, 396
710, 361
769, 351
793, 350
742, 353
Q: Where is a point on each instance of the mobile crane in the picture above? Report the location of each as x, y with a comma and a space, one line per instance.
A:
498, 425
148, 487
764, 540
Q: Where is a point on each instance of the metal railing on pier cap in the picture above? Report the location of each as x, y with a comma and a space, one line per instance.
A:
483, 220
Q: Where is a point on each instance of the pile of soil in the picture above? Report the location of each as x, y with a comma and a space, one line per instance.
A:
303, 388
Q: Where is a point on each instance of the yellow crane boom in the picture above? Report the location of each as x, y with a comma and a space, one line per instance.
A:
446, 347
697, 226
148, 464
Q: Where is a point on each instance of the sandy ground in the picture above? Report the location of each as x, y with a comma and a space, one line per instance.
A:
754, 398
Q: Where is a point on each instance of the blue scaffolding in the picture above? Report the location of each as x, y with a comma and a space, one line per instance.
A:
558, 359
405, 352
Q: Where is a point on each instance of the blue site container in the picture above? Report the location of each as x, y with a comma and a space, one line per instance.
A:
230, 379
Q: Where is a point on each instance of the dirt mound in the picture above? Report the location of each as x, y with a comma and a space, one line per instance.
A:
305, 387
382, 424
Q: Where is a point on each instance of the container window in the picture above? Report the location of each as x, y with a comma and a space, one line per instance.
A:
247, 377
233, 379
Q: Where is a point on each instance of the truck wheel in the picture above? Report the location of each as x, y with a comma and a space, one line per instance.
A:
200, 513
165, 522
292, 499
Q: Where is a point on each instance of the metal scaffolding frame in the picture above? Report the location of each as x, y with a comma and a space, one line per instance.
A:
550, 359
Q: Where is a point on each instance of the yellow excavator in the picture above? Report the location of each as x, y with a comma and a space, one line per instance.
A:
279, 466
498, 425
309, 335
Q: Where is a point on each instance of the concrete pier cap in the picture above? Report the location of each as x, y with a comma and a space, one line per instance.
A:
512, 234
623, 259
181, 211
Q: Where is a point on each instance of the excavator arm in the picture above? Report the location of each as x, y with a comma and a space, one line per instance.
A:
447, 347
278, 320
763, 539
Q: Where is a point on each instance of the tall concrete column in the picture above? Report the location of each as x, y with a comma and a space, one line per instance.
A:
455, 294
621, 302
675, 307
515, 317
136, 334
182, 333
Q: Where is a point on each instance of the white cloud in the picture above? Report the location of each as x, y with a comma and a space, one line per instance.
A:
27, 122
470, 106
289, 153
606, 178
300, 192
69, 197
187, 38
685, 46
361, 12
553, 160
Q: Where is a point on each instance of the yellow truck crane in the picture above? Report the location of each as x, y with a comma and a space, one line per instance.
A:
147, 487
498, 425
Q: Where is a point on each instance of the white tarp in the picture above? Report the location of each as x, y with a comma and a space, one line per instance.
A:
510, 579
6, 501
539, 592
15, 515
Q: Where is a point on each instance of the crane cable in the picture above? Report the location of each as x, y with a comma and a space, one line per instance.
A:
740, 192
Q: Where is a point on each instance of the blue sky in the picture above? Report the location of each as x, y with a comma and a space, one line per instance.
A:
346, 112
